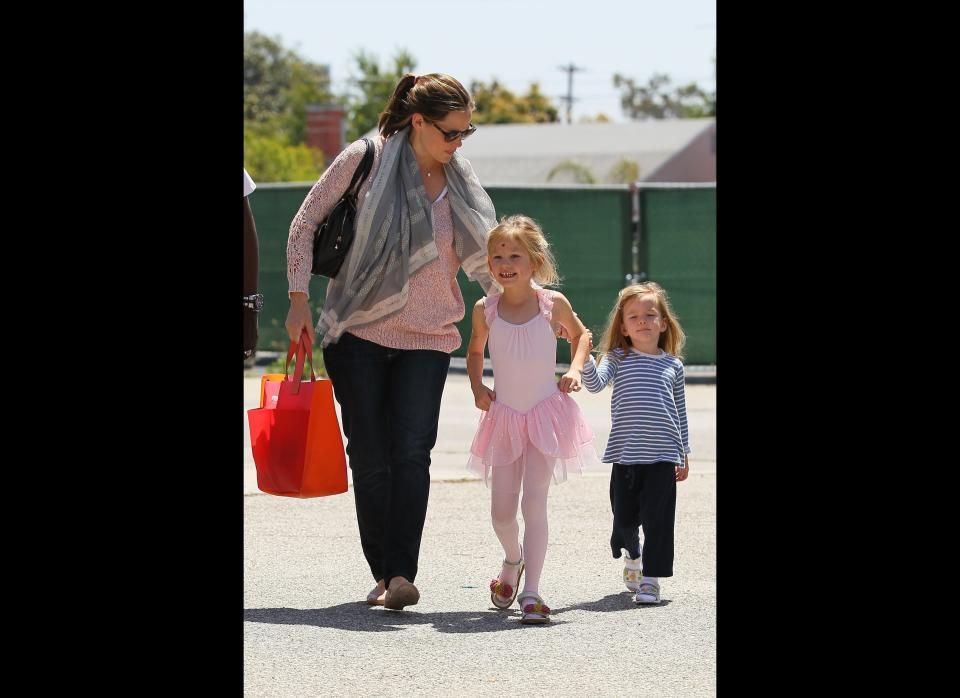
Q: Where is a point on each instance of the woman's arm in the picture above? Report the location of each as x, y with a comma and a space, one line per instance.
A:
251, 251
251, 272
320, 200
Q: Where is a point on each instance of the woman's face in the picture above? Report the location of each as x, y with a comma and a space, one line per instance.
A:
430, 137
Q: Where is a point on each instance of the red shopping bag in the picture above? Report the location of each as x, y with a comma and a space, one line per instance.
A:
295, 435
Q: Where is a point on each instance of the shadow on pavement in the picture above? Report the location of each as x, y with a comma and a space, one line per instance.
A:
612, 602
360, 617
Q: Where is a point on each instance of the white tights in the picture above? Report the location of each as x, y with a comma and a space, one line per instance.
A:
534, 472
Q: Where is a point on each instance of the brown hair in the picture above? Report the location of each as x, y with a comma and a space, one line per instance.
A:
434, 95
531, 238
671, 340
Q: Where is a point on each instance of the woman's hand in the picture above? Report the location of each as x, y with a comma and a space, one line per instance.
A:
570, 382
483, 396
684, 471
299, 318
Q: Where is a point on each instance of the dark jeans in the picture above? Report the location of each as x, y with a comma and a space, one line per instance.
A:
390, 405
644, 495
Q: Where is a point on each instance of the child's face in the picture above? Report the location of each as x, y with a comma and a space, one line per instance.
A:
510, 264
643, 323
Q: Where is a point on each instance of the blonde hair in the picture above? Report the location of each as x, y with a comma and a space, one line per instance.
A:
525, 231
434, 95
671, 340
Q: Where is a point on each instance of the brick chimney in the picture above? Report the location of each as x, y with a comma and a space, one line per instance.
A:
326, 129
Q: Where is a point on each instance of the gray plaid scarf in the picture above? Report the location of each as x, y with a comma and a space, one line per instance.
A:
394, 238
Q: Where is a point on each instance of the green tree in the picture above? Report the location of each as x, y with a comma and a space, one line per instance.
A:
624, 171
278, 84
655, 101
498, 105
581, 174
600, 118
307, 86
371, 88
271, 159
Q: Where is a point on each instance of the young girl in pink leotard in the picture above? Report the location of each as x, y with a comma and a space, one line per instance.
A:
531, 431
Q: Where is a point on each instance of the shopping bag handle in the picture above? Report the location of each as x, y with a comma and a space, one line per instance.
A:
303, 349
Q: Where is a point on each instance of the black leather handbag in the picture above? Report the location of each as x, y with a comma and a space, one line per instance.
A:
334, 235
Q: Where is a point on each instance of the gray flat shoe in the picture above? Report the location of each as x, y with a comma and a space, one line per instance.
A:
647, 590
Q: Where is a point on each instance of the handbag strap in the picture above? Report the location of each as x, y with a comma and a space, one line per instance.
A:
304, 352
363, 169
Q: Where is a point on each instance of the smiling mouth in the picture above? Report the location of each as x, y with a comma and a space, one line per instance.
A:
507, 275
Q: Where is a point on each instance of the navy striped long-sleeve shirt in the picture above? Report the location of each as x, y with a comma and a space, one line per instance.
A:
648, 408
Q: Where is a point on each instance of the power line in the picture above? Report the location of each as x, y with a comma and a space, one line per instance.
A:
570, 70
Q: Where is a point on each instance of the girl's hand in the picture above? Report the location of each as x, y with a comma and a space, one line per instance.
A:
683, 472
570, 382
299, 318
483, 396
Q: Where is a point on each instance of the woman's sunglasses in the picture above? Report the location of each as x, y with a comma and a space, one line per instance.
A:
451, 136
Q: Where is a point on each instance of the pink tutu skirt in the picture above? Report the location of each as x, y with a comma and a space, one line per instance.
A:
554, 426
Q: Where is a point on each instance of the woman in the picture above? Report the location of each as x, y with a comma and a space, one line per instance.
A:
388, 317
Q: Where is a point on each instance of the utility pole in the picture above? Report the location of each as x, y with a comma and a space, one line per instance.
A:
570, 70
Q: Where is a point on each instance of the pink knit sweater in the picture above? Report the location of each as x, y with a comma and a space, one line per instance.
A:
434, 303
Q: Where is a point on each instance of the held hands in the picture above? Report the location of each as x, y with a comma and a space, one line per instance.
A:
683, 472
483, 396
570, 382
564, 333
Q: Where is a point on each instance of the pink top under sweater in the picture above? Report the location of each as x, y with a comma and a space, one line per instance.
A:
434, 302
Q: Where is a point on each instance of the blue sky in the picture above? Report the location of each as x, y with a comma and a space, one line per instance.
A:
515, 41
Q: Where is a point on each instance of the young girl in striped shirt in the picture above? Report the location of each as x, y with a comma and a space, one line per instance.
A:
640, 352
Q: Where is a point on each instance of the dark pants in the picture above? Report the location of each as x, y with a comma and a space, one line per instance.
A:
390, 405
644, 495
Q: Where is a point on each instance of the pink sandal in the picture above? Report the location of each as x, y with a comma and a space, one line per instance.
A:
502, 594
535, 613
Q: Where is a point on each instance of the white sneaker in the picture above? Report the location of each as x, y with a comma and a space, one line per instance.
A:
632, 571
